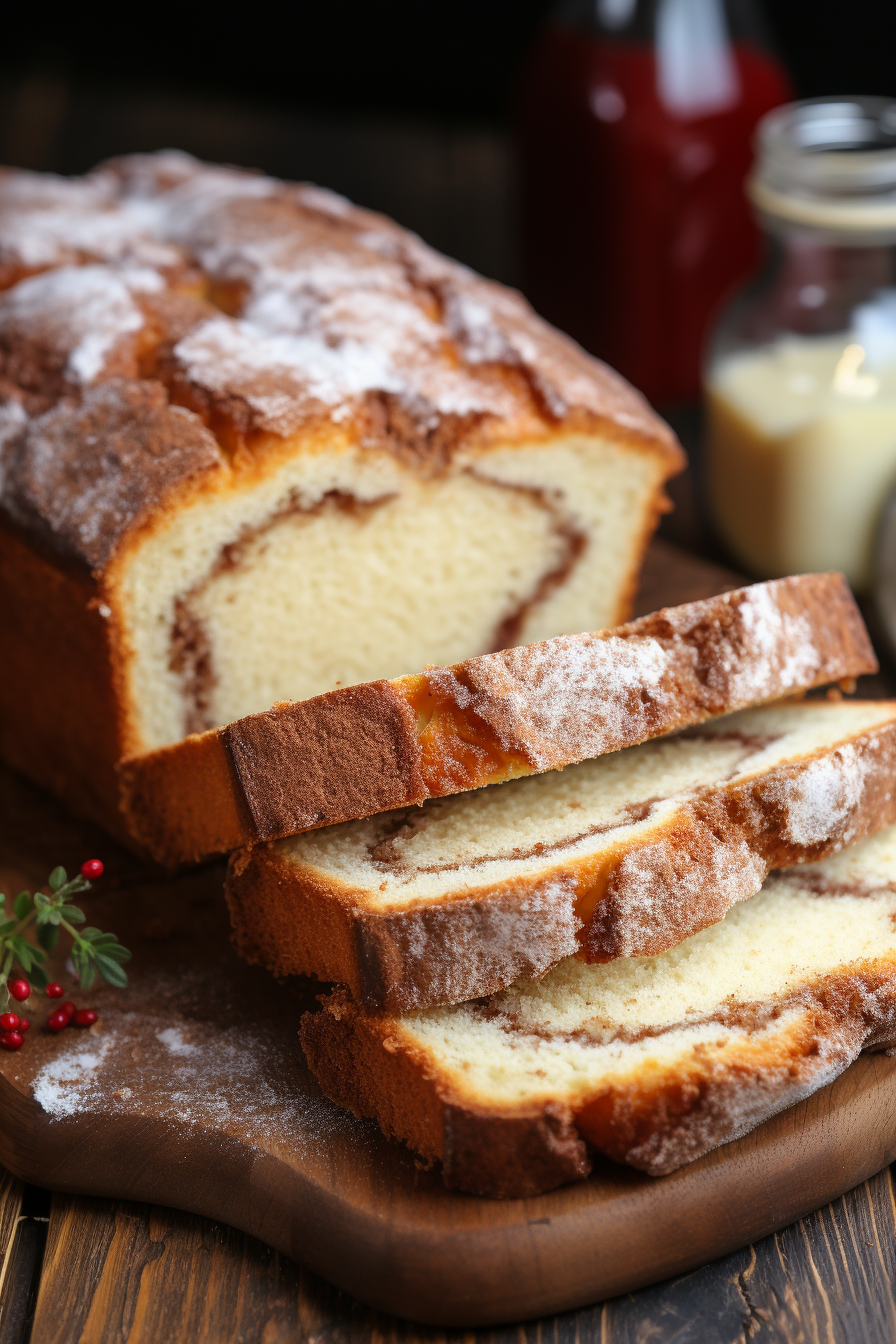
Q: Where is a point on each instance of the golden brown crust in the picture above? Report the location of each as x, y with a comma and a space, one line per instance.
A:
655, 1119
491, 718
171, 331
444, 953
277, 313
635, 898
368, 1066
60, 724
320, 929
720, 847
357, 747
77, 505
317, 313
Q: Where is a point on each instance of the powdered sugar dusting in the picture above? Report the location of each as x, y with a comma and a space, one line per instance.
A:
648, 917
48, 221
70, 1083
820, 799
566, 699
329, 302
173, 1039
279, 375
786, 650
327, 331
77, 312
741, 1099
239, 1081
578, 696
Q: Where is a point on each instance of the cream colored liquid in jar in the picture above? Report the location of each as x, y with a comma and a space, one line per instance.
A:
802, 452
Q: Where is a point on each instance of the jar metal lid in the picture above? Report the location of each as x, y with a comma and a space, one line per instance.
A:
829, 164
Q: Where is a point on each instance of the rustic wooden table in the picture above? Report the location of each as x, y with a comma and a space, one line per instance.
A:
75, 1269
96, 1270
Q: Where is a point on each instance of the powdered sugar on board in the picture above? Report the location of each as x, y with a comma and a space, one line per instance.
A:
238, 1081
68, 1083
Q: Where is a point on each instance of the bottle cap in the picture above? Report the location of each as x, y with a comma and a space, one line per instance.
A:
828, 164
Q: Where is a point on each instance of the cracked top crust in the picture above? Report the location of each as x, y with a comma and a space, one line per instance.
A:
272, 310
85, 472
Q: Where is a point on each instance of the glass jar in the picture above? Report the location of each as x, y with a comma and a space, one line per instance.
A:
635, 121
800, 378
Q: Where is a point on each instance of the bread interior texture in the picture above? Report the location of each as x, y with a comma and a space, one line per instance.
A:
739, 979
452, 846
345, 564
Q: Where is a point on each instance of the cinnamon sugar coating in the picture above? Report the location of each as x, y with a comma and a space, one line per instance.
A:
141, 450
578, 696
308, 310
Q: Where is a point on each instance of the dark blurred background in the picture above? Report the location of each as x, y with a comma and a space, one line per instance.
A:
405, 107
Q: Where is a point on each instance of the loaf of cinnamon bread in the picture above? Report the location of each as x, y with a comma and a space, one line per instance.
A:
257, 444
365, 749
621, 856
652, 1061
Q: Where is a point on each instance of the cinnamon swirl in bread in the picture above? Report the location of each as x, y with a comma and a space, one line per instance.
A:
652, 1061
382, 745
622, 856
258, 443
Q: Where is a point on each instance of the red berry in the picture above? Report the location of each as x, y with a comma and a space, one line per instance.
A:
19, 989
24, 1024
85, 1017
57, 1021
67, 1011
11, 1040
54, 990
92, 869
8, 1021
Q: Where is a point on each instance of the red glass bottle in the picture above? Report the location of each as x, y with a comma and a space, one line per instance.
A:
635, 121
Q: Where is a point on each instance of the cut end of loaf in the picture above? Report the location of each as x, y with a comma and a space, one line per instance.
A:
346, 566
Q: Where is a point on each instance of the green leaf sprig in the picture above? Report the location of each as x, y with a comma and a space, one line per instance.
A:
93, 952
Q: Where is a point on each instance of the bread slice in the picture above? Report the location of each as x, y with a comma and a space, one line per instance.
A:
624, 856
257, 443
369, 748
651, 1061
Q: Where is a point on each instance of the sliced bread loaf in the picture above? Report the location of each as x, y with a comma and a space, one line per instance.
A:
652, 1061
386, 744
625, 855
257, 443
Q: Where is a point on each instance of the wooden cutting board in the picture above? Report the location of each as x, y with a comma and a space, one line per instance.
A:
191, 1091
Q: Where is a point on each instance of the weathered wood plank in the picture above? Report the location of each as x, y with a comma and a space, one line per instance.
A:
130, 1272
10, 1214
23, 1229
136, 1275
829, 1278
